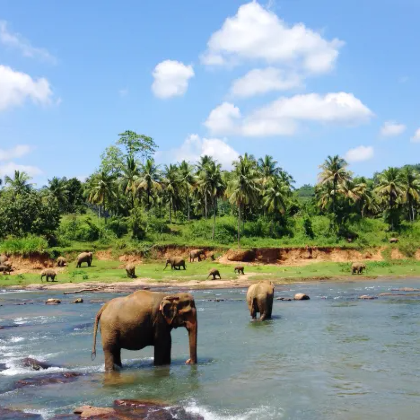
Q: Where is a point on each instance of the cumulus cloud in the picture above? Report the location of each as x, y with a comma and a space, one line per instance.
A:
416, 137
15, 152
259, 81
282, 117
10, 167
16, 87
195, 146
359, 154
16, 41
257, 33
392, 129
171, 79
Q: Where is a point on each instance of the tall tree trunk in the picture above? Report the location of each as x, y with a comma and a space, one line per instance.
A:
105, 211
188, 205
205, 205
170, 211
214, 217
239, 226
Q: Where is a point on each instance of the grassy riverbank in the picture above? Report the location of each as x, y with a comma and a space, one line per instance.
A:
112, 271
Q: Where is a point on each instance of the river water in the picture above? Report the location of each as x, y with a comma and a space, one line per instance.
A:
333, 357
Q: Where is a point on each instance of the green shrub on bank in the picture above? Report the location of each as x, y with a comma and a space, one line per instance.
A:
24, 246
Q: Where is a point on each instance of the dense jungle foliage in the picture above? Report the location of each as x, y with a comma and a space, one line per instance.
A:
130, 201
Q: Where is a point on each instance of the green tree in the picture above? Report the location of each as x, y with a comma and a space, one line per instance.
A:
137, 144
275, 196
112, 161
243, 189
19, 183
149, 180
410, 183
58, 189
187, 182
172, 188
129, 178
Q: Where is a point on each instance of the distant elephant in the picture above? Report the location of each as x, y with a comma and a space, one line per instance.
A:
239, 269
131, 271
84, 257
214, 272
197, 253
393, 240
357, 268
3, 258
61, 262
176, 263
48, 273
6, 268
145, 319
260, 299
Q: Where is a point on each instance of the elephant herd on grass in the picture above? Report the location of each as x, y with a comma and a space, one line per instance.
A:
146, 318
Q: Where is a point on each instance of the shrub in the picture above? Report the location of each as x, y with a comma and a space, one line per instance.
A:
137, 224
118, 225
24, 246
408, 249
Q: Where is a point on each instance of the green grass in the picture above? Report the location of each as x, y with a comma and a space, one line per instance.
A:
113, 271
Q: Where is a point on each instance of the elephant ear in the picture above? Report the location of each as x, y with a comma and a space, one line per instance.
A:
169, 308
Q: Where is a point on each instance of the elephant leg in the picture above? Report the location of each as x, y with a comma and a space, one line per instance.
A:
162, 350
117, 357
110, 361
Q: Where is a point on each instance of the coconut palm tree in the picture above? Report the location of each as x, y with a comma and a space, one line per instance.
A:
410, 182
390, 189
201, 183
58, 189
171, 188
243, 189
149, 180
19, 183
275, 196
102, 189
268, 168
129, 177
334, 173
187, 182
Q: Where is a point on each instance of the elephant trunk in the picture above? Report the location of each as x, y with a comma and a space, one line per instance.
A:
191, 326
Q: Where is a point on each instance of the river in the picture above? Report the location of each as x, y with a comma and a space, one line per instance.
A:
332, 357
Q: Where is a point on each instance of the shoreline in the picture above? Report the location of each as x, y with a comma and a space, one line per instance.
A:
145, 284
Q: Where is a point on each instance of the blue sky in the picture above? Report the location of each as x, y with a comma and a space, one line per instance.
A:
295, 79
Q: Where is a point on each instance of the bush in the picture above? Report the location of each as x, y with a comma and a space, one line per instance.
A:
75, 228
24, 246
408, 249
307, 228
156, 225
137, 224
118, 225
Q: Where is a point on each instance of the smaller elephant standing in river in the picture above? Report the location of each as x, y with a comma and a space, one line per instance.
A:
131, 271
260, 299
176, 263
197, 253
61, 262
239, 269
84, 257
357, 268
48, 273
214, 272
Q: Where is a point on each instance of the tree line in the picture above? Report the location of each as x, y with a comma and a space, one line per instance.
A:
130, 185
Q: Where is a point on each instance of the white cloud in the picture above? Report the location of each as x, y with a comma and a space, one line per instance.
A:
16, 87
416, 137
281, 117
16, 152
359, 154
14, 40
10, 167
194, 146
256, 33
171, 79
259, 81
392, 129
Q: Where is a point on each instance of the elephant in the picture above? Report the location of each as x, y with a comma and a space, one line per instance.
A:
357, 268
61, 262
214, 272
260, 299
3, 258
393, 240
145, 319
197, 253
6, 268
48, 273
176, 263
131, 271
239, 269
84, 257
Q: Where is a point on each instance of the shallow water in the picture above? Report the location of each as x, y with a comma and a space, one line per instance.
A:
328, 358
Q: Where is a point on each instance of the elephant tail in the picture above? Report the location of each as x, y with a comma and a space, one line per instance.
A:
95, 331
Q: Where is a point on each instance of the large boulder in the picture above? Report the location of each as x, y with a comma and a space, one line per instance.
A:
301, 296
246, 255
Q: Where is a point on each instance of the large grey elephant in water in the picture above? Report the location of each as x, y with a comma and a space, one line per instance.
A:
260, 299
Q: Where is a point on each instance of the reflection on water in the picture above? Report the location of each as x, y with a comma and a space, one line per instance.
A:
331, 357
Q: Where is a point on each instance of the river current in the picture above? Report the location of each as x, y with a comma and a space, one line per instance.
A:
332, 357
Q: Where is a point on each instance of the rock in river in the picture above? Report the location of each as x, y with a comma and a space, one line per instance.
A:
301, 296
7, 414
52, 301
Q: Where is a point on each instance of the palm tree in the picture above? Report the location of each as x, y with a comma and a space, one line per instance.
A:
390, 189
129, 176
268, 168
187, 181
172, 185
201, 184
149, 180
275, 196
334, 173
58, 189
19, 182
102, 189
364, 197
411, 190
243, 188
